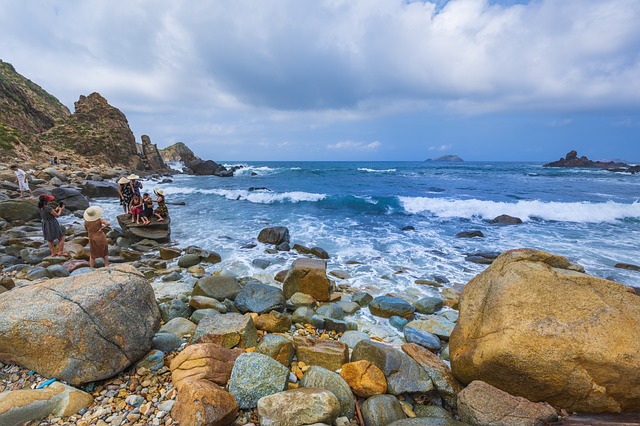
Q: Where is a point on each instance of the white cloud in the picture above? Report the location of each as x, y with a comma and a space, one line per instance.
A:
440, 148
355, 146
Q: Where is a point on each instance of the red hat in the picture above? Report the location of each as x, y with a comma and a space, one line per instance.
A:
48, 197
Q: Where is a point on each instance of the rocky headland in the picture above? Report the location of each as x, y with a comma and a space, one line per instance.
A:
572, 160
179, 152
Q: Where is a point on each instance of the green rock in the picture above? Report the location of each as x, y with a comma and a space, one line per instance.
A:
319, 377
254, 376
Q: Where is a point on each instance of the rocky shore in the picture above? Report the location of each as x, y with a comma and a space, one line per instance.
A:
162, 337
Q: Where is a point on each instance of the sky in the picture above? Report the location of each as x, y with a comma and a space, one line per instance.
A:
346, 80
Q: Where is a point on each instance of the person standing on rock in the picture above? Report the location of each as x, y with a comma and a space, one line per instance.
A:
23, 183
51, 228
126, 193
161, 212
136, 185
94, 224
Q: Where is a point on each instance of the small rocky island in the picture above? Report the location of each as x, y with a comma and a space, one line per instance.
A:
572, 160
447, 158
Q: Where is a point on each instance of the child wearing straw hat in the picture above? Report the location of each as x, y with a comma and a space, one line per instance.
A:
94, 224
162, 210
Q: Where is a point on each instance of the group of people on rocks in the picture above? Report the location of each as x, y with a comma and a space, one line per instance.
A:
140, 206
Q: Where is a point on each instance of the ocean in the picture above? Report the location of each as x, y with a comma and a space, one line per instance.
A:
359, 213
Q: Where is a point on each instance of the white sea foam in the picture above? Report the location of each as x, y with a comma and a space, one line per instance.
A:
259, 197
364, 169
566, 212
246, 169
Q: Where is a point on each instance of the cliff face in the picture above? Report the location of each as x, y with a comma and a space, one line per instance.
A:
96, 131
25, 110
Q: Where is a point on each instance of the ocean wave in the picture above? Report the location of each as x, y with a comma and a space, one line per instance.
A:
246, 169
364, 169
584, 212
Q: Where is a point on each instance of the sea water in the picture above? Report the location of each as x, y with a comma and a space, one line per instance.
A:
388, 224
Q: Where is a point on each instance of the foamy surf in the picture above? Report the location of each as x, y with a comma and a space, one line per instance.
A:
584, 212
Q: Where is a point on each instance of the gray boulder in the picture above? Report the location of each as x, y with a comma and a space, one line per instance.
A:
100, 189
380, 410
319, 377
104, 321
260, 298
255, 376
219, 287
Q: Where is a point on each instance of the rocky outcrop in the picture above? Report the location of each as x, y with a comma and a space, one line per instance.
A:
81, 328
195, 165
96, 131
151, 157
572, 160
156, 231
570, 339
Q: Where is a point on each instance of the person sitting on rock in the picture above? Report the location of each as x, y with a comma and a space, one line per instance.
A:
23, 183
161, 212
135, 184
136, 210
125, 191
94, 224
147, 208
51, 228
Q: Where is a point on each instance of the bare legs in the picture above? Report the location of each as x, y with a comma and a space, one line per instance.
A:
60, 251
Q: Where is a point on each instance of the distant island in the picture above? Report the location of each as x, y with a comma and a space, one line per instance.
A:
450, 158
573, 161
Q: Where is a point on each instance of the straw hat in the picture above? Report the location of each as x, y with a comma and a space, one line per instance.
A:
92, 213
159, 192
123, 180
133, 177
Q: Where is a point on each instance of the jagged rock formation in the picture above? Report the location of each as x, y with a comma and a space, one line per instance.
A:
97, 131
195, 165
572, 160
151, 156
25, 110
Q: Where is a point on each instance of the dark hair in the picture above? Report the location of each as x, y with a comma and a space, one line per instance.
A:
146, 194
42, 201
15, 166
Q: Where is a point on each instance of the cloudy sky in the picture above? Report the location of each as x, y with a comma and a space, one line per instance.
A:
347, 79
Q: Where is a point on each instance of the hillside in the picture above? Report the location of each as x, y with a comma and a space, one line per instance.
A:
26, 109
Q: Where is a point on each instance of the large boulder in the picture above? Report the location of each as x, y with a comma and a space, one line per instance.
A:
201, 402
159, 232
299, 407
72, 198
100, 189
308, 276
19, 210
206, 361
275, 235
259, 298
533, 326
81, 328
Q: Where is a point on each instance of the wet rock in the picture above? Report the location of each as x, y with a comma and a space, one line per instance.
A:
204, 302
505, 220
228, 330
428, 305
403, 374
168, 253
219, 287
482, 258
308, 276
275, 235
277, 347
259, 298
352, 337
398, 323
318, 377
201, 402
255, 376
188, 260
298, 300
57, 400
423, 338
627, 266
302, 316
329, 354
387, 306
166, 342
203, 361
363, 299
298, 407
380, 410
364, 378
273, 322
481, 403
446, 385
434, 324
470, 234
330, 310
